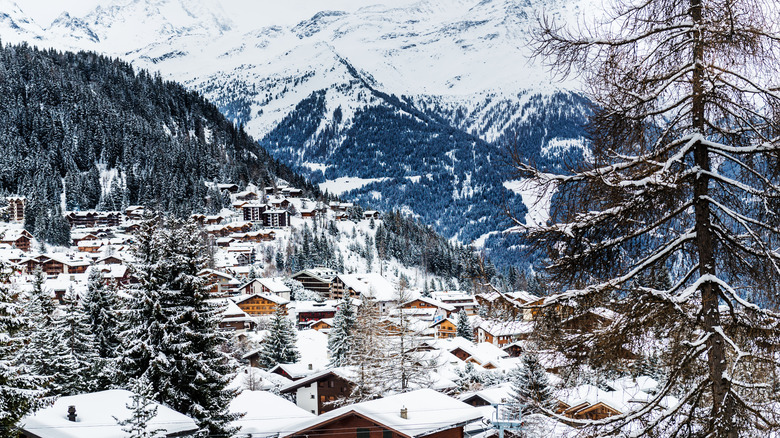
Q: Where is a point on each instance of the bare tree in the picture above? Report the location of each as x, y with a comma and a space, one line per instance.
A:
683, 176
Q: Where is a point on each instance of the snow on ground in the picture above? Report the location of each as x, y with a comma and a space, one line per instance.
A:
344, 184
535, 197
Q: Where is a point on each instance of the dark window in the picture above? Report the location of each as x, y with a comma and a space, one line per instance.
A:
363, 433
387, 433
331, 384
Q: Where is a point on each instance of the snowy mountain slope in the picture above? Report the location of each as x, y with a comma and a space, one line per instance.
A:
321, 84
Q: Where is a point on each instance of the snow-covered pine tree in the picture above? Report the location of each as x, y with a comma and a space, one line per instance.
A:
101, 306
19, 393
142, 411
339, 338
45, 354
279, 345
170, 333
73, 325
463, 328
531, 390
682, 172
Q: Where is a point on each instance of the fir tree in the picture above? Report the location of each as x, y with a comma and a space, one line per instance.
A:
339, 338
101, 305
142, 412
531, 389
76, 334
171, 334
463, 328
19, 393
279, 345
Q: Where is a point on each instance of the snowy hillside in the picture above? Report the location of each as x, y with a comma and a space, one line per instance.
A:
440, 71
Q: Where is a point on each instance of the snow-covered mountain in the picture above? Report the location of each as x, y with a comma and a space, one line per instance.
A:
454, 73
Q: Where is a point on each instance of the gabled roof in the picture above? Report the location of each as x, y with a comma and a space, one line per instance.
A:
273, 298
427, 412
431, 301
346, 373
371, 285
266, 413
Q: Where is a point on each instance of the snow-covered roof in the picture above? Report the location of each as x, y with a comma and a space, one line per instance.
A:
427, 412
346, 373
95, 417
493, 395
273, 298
433, 302
266, 414
274, 284
371, 285
507, 328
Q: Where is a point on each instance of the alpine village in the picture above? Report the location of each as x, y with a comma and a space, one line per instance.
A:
389, 218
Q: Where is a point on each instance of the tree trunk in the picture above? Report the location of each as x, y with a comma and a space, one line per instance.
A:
722, 406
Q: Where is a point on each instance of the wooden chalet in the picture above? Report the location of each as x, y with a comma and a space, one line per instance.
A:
501, 333
429, 303
266, 286
94, 218
322, 324
218, 282
53, 265
318, 392
232, 188
260, 305
316, 279
247, 196
17, 239
445, 328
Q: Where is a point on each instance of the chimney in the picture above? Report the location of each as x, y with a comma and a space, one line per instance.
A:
404, 413
71, 413
311, 367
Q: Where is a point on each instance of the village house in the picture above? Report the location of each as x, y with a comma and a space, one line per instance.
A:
218, 282
501, 333
443, 310
276, 218
445, 328
458, 300
316, 280
267, 286
253, 212
424, 412
232, 317
54, 264
264, 414
317, 392
260, 304
247, 195
94, 218
307, 311
16, 206
20, 239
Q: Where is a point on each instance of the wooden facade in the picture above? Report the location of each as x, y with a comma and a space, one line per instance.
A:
257, 305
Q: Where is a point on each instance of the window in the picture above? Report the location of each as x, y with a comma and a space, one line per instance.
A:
387, 433
363, 433
331, 384
312, 396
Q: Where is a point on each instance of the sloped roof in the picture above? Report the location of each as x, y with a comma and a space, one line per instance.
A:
265, 413
428, 412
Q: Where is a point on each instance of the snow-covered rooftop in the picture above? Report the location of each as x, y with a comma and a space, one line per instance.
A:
96, 415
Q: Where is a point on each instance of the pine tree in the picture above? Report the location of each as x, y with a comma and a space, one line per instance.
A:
75, 330
19, 393
142, 410
531, 391
101, 305
340, 339
170, 334
463, 328
279, 345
